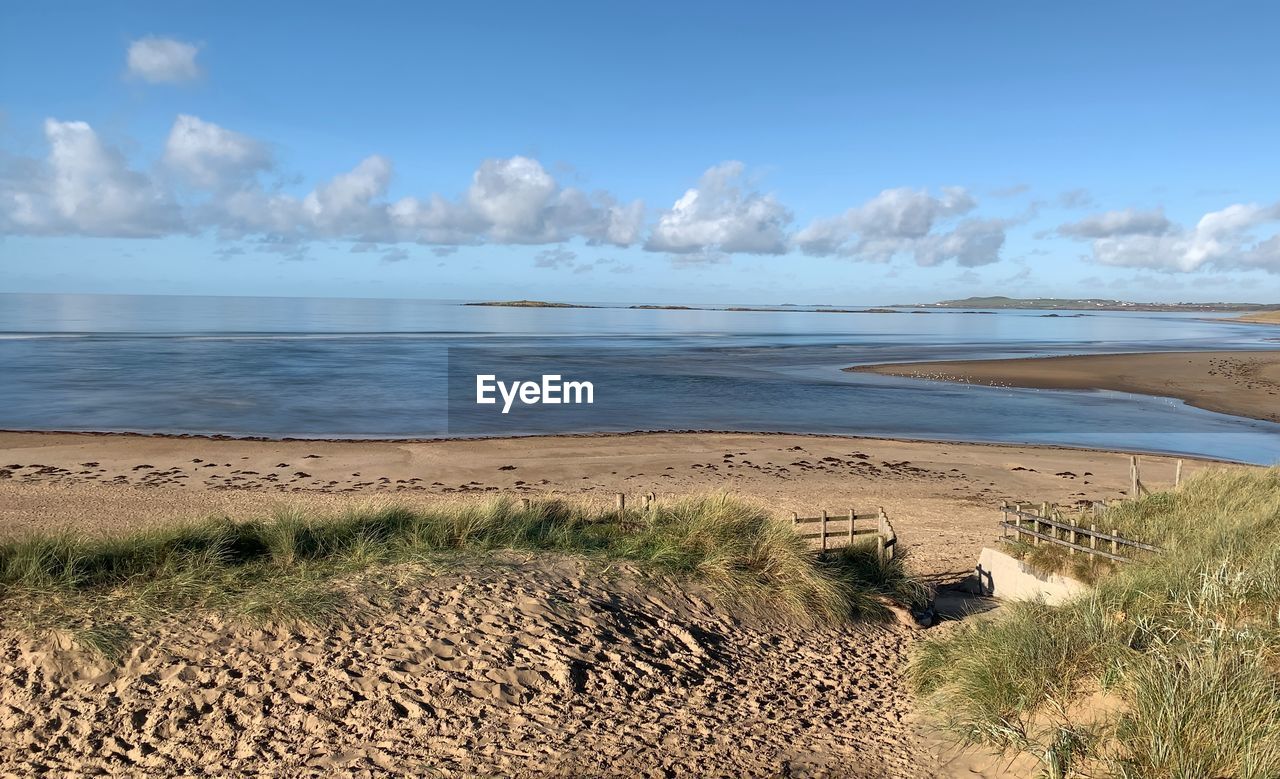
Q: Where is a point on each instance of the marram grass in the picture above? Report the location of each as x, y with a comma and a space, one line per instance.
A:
292, 566
1169, 667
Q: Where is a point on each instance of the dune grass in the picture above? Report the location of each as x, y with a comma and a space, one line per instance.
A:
1168, 667
291, 566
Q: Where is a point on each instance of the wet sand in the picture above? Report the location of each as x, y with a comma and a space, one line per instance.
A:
1242, 383
520, 665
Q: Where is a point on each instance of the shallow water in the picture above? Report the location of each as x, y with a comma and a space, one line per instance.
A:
405, 368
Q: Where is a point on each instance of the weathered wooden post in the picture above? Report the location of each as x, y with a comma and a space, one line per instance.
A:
648, 500
1177, 475
1133, 477
880, 547
850, 527
1004, 519
621, 500
795, 519
1115, 548
1093, 539
524, 503
824, 530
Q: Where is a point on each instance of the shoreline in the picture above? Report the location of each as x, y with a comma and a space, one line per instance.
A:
633, 434
1244, 383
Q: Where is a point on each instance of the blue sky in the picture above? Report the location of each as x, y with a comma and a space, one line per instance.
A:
733, 152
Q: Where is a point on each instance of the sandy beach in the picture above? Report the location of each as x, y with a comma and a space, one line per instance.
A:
942, 493
520, 665
1240, 383
1262, 317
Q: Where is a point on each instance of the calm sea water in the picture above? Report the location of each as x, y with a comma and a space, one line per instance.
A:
382, 368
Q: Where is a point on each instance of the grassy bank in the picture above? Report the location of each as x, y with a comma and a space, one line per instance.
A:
291, 566
1169, 667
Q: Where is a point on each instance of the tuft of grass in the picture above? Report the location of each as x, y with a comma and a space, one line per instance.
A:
290, 566
1185, 644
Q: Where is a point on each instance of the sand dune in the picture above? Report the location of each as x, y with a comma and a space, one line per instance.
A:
517, 665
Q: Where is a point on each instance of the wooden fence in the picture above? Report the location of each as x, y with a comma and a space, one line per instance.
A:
1047, 525
843, 529
1137, 487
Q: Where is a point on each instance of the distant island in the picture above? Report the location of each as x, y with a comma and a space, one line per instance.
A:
1257, 312
790, 308
1089, 304
527, 304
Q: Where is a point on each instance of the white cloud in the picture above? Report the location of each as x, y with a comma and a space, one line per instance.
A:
84, 187
973, 242
516, 201
1223, 240
345, 206
163, 60
210, 178
1116, 223
209, 156
905, 221
719, 217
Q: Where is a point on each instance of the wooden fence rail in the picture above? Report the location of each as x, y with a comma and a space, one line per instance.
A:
1046, 525
844, 527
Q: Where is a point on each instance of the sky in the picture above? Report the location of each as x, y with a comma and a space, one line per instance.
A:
835, 153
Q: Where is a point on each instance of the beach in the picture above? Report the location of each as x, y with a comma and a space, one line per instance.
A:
527, 665
943, 494
1242, 383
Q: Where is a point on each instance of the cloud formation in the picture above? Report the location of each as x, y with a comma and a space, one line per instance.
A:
1117, 223
719, 216
1227, 239
213, 179
84, 187
212, 157
163, 60
908, 222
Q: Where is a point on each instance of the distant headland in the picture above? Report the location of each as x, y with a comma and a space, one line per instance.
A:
1089, 304
1257, 312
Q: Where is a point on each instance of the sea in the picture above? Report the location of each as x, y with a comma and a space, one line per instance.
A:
405, 369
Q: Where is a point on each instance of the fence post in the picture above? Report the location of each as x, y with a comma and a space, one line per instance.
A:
1133, 477
1004, 517
621, 501
524, 503
824, 530
1093, 539
1115, 548
795, 519
1177, 475
850, 527
880, 547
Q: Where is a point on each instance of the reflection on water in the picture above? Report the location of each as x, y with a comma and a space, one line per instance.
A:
377, 368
